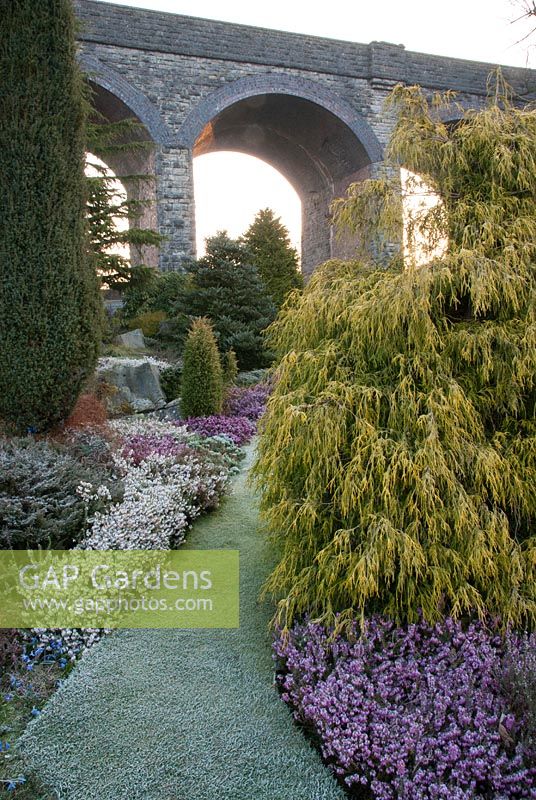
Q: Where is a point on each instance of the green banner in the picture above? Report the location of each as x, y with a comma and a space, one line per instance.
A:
119, 589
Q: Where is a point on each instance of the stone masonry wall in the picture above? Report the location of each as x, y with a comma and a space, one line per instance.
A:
171, 71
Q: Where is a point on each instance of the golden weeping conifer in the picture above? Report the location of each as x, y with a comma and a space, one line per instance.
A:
397, 461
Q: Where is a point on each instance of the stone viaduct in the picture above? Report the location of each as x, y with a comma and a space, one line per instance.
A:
310, 107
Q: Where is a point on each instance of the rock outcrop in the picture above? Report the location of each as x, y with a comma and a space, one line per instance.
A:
130, 386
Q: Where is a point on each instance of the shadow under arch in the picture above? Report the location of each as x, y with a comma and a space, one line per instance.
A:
244, 88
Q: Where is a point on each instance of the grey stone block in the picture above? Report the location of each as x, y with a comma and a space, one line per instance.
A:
133, 339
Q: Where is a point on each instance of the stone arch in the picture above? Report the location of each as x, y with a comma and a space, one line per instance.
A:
309, 134
139, 105
244, 88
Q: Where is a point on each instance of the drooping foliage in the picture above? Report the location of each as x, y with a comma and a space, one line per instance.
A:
49, 302
202, 379
225, 287
105, 206
398, 459
271, 252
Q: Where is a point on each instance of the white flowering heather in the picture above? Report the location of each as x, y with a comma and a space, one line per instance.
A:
161, 499
131, 361
88, 492
165, 476
149, 426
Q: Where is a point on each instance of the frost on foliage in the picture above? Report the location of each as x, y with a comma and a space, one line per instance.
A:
111, 361
156, 508
166, 486
168, 477
419, 712
132, 426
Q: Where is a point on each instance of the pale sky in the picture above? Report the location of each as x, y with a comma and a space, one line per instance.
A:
231, 188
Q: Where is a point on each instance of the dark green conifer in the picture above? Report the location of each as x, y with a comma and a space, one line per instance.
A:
105, 206
268, 243
49, 302
226, 287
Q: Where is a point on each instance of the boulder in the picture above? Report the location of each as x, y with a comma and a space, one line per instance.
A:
171, 411
130, 386
133, 339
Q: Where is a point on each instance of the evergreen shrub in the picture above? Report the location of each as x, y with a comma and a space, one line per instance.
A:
108, 242
202, 379
40, 505
50, 308
149, 322
170, 382
230, 367
271, 252
160, 292
167, 291
226, 288
398, 458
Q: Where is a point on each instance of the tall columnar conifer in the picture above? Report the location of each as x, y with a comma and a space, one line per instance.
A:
398, 458
202, 377
49, 301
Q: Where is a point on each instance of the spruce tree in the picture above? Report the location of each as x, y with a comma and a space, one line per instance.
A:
105, 207
49, 301
202, 378
268, 243
225, 287
398, 457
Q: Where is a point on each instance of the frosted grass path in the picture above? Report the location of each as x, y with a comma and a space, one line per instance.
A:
182, 715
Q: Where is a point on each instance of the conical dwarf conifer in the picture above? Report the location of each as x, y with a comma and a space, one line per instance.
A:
202, 377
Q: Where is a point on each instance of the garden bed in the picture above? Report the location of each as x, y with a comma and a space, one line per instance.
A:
133, 483
417, 712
